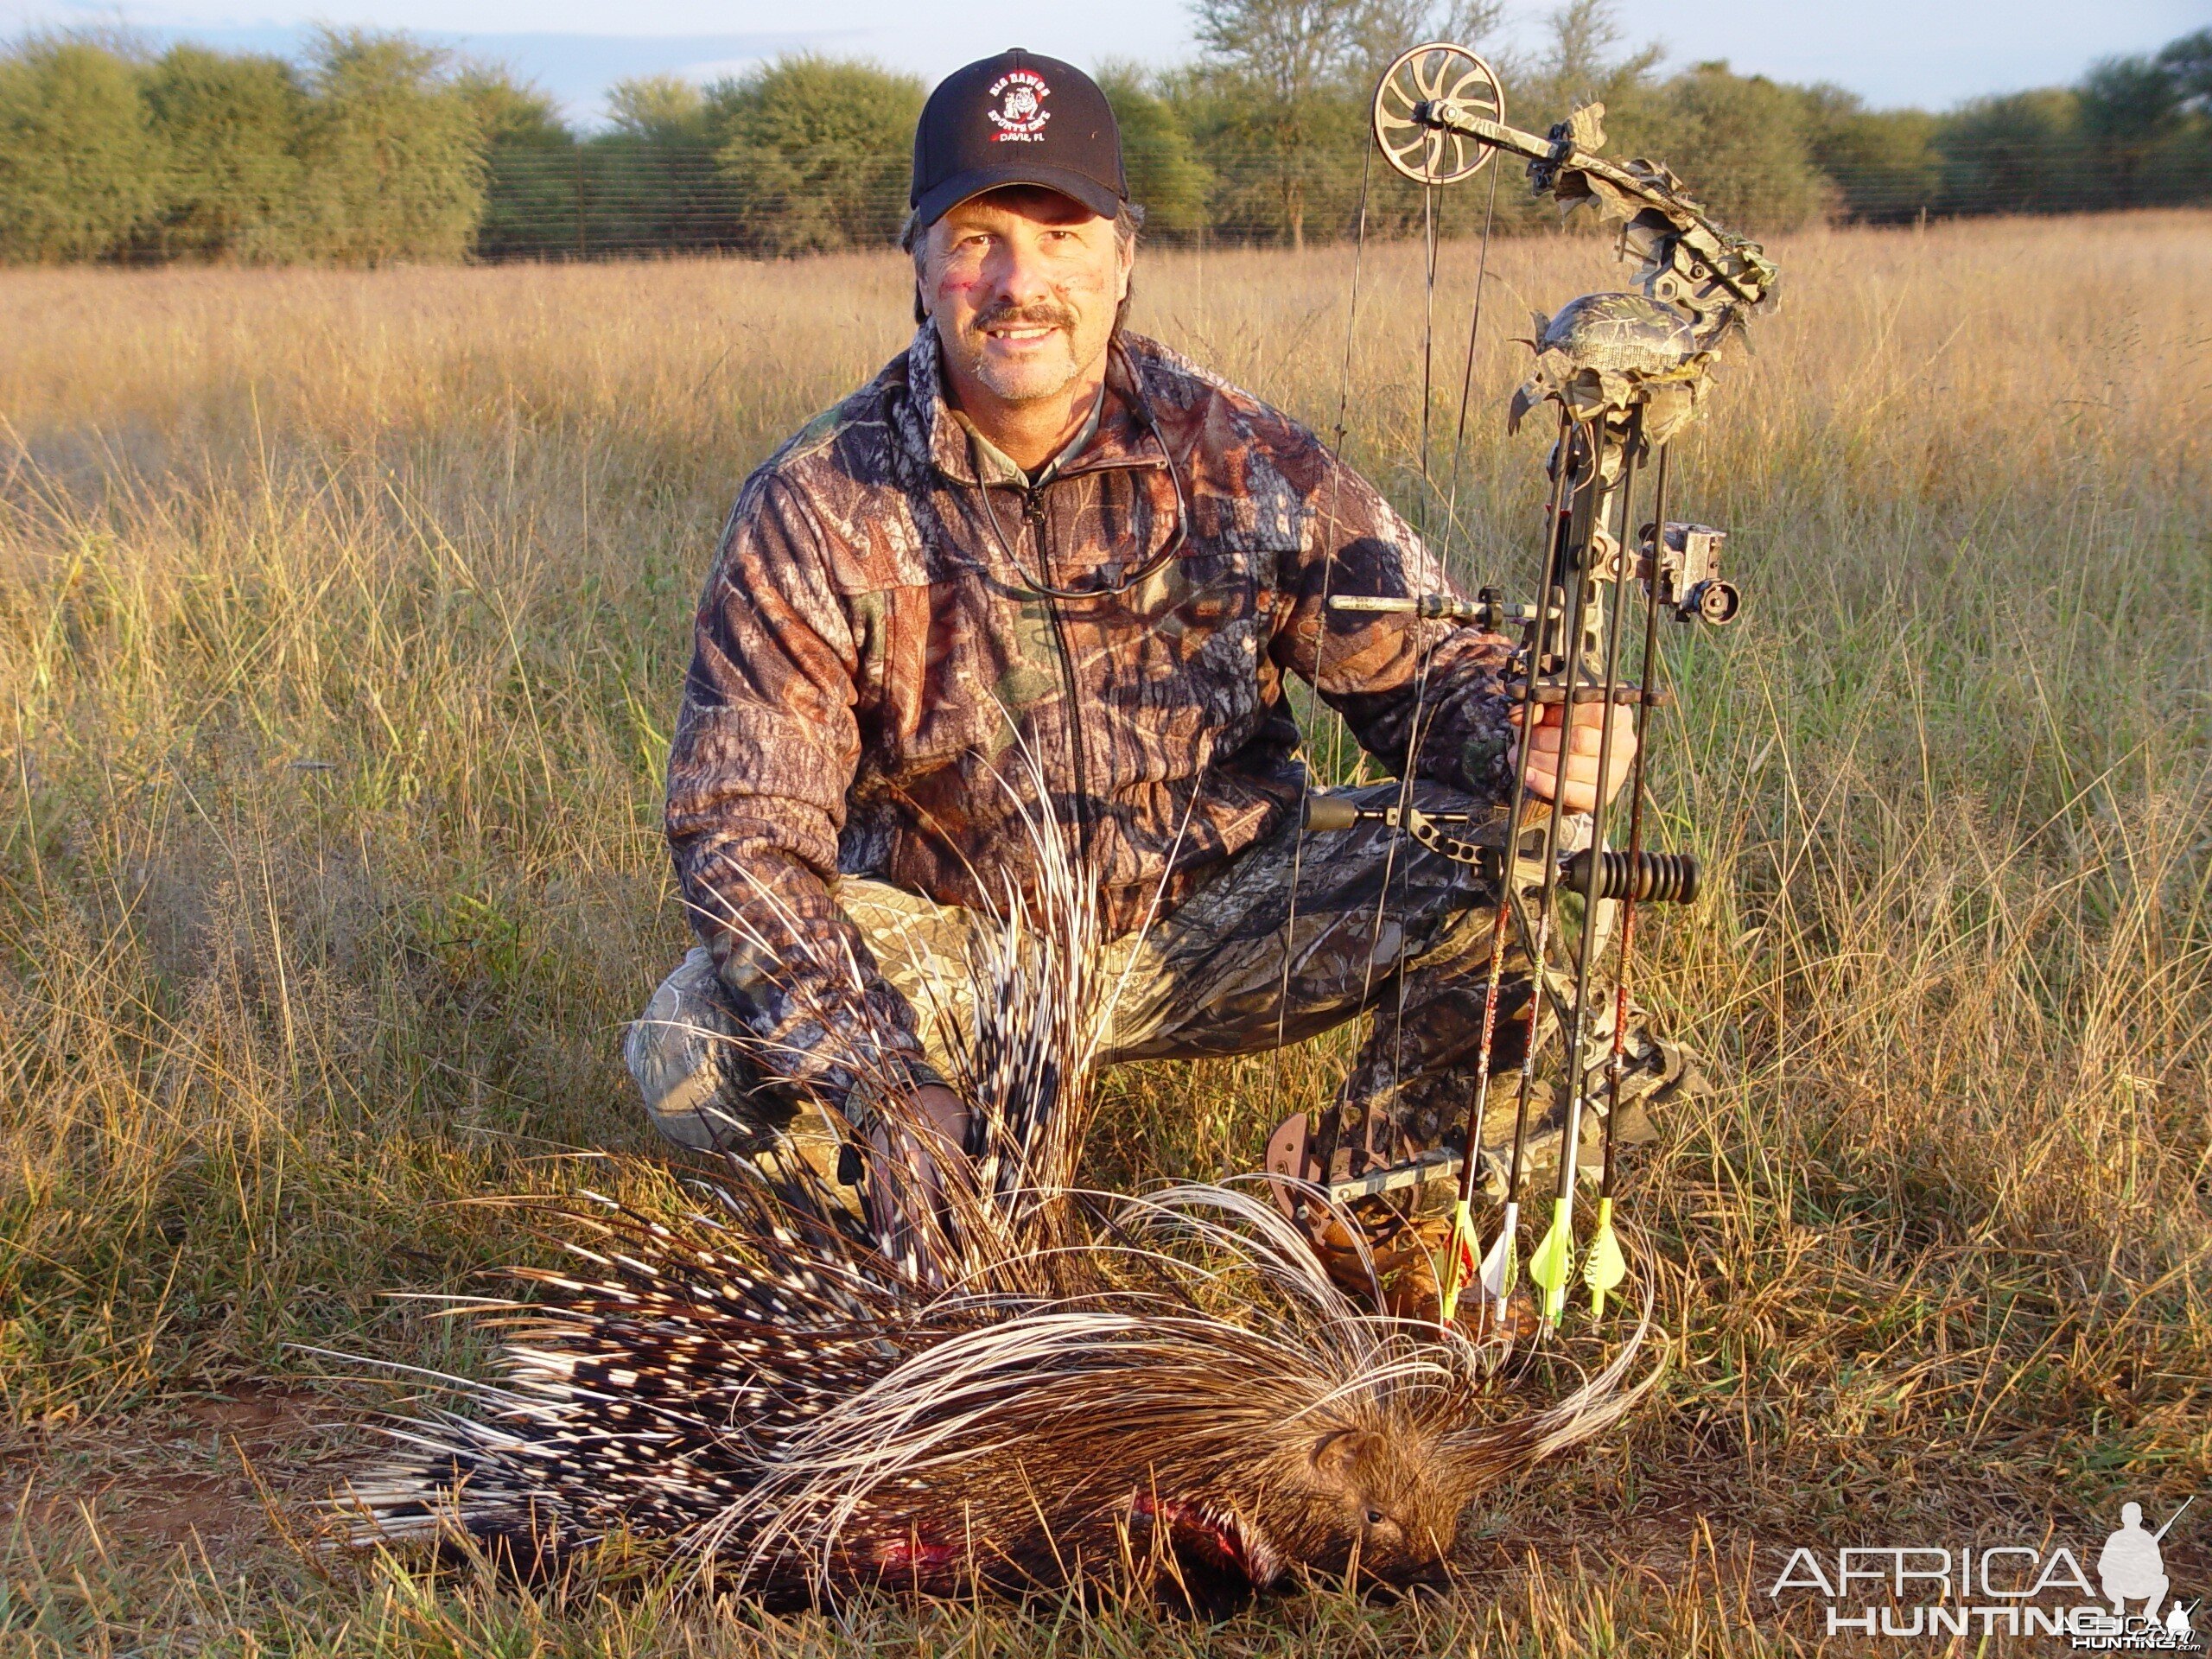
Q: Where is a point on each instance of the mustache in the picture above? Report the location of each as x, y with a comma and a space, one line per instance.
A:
1040, 313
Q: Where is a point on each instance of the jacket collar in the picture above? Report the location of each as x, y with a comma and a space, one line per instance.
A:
995, 466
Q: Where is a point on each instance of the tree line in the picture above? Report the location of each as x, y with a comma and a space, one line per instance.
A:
372, 149
375, 148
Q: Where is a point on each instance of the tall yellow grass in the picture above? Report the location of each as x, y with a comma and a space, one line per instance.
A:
341, 616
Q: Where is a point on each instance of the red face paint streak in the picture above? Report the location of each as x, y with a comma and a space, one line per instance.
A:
949, 286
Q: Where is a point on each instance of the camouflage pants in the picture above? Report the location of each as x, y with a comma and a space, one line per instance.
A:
1294, 937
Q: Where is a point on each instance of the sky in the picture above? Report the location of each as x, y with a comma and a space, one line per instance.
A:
1890, 52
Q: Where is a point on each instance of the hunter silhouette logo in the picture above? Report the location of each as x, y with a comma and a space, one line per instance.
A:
2131, 1567
1018, 111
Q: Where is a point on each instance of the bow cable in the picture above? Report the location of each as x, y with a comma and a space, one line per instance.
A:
1321, 655
1603, 1267
1428, 335
1467, 372
1443, 550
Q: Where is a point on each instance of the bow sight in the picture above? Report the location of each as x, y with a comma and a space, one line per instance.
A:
1625, 372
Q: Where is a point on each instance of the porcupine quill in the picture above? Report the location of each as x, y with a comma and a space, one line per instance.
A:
1042, 1387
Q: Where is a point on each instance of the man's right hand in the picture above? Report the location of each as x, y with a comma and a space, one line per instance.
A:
932, 1137
944, 1113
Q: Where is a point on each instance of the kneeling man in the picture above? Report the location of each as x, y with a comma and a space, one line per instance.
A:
1038, 548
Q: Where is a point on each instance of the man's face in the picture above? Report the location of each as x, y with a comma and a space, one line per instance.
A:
1023, 284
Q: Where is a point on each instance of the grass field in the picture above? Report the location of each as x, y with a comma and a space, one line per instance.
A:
341, 616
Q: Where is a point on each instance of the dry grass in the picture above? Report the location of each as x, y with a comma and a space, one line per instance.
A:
340, 618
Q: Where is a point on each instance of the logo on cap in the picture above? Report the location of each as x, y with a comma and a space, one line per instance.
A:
1020, 114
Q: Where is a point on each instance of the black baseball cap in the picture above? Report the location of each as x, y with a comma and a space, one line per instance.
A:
1017, 118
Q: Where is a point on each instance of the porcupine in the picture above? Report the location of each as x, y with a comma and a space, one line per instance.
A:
1031, 1386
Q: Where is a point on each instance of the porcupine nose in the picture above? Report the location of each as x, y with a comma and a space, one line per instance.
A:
1412, 1580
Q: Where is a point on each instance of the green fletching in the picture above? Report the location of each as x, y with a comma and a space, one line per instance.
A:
1457, 1269
1553, 1262
1605, 1267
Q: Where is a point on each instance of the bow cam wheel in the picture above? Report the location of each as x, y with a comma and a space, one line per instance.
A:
1438, 70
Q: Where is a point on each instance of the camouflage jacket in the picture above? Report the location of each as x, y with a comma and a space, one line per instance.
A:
873, 658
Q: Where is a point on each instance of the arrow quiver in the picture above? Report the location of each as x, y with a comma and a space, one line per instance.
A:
1623, 373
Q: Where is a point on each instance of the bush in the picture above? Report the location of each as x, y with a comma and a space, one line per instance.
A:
80, 168
657, 193
395, 152
1285, 169
1166, 176
232, 128
1883, 163
507, 111
1739, 143
659, 110
531, 171
2019, 154
2131, 113
819, 152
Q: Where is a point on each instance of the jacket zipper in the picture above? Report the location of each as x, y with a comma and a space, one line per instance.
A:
1033, 515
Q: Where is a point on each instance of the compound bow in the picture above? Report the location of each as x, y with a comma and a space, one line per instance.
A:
1626, 371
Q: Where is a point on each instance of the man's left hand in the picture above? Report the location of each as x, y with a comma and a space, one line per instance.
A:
1588, 729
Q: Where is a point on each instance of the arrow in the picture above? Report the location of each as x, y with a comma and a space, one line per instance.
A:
1458, 1269
1606, 1267
1595, 501
1498, 1280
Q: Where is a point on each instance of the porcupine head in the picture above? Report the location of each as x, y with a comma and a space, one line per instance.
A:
1371, 1493
1376, 1506
1382, 1501
1374, 1501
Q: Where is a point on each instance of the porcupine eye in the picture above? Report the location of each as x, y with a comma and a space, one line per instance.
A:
1376, 1517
